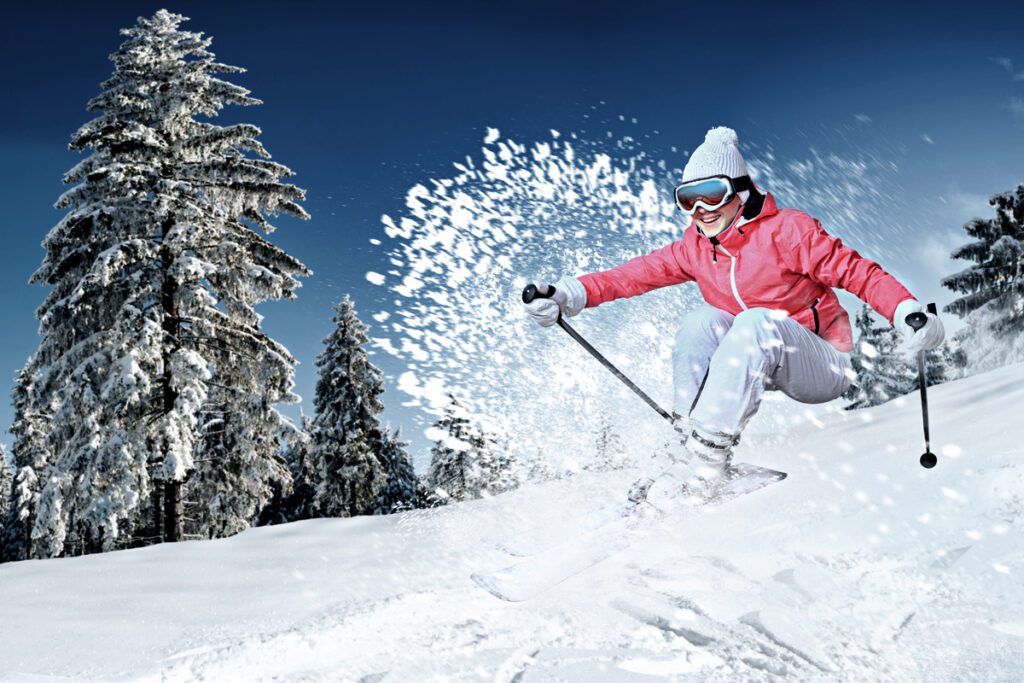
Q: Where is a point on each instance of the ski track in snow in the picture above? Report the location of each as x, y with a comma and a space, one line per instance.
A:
861, 566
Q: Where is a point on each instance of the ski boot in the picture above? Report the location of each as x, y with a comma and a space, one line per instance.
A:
699, 467
674, 453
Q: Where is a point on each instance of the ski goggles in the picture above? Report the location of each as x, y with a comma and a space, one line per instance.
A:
710, 193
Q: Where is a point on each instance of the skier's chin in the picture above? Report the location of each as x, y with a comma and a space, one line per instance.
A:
713, 228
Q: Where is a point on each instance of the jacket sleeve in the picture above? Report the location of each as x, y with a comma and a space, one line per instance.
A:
660, 268
826, 259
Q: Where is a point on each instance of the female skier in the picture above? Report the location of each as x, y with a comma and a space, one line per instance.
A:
771, 321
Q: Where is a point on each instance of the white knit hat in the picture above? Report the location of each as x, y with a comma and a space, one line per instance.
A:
719, 154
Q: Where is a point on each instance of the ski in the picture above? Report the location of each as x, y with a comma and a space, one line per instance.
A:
527, 542
550, 567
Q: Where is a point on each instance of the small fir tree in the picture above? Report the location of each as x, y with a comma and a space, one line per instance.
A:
609, 452
498, 468
29, 458
299, 505
992, 301
465, 462
882, 373
6, 494
399, 493
449, 477
346, 439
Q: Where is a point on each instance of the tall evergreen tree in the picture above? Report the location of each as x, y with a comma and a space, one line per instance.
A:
155, 272
992, 304
346, 440
399, 493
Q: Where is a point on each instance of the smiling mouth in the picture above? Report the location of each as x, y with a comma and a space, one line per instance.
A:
709, 217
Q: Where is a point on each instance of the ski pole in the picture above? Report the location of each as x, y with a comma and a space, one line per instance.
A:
531, 292
916, 321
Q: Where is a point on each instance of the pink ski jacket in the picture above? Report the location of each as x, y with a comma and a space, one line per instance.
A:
771, 258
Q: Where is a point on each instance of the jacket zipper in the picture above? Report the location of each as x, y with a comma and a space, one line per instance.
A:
814, 310
732, 278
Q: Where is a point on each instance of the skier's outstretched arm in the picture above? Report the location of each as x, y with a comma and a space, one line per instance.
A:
832, 263
660, 268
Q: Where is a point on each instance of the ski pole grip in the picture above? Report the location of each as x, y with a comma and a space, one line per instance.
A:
917, 320
531, 292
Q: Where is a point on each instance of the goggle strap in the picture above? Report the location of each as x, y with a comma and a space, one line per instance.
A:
742, 183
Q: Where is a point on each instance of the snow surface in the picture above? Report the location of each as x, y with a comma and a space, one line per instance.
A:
861, 566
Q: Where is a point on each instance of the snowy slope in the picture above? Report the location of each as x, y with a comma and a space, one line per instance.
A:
862, 566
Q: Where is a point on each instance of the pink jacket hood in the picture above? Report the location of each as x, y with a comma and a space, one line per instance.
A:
773, 258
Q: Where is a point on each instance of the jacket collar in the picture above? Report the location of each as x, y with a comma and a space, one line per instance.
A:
757, 207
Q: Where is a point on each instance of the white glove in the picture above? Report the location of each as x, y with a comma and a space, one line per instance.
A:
928, 337
569, 299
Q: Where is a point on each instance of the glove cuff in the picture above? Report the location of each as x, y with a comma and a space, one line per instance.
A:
575, 295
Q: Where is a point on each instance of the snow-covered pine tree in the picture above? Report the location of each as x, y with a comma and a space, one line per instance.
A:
465, 462
299, 503
540, 469
155, 272
992, 305
882, 373
6, 493
346, 439
954, 360
399, 492
229, 490
449, 476
609, 452
29, 459
496, 470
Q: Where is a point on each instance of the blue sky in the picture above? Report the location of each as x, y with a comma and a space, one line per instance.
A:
363, 100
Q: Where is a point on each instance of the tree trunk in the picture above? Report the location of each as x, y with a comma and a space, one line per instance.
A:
157, 501
173, 525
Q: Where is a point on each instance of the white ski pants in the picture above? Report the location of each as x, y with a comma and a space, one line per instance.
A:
723, 363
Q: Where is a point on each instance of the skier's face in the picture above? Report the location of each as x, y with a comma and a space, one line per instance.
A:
713, 222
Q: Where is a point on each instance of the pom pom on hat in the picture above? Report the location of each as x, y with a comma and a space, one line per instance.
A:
723, 136
719, 154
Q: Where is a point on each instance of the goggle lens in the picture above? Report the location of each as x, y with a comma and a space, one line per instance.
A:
712, 192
